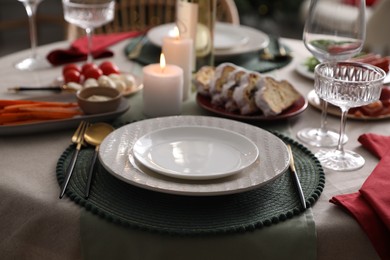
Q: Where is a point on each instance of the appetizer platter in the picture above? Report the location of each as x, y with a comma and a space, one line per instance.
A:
235, 92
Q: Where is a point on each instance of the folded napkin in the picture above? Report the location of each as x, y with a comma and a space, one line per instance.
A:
79, 48
371, 205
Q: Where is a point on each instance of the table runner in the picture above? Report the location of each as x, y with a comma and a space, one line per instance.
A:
134, 207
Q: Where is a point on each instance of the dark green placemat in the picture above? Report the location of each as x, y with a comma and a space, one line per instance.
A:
130, 206
251, 61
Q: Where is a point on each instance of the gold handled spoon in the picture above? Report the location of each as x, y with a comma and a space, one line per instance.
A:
94, 136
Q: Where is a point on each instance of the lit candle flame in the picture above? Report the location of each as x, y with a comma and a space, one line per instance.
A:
162, 62
176, 32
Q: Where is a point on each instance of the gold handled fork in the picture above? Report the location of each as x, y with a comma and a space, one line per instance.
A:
77, 138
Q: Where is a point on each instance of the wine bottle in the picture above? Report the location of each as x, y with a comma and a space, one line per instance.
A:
196, 19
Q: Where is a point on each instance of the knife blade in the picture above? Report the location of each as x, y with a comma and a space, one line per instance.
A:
296, 178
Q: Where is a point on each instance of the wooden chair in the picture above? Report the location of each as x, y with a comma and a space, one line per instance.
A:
143, 14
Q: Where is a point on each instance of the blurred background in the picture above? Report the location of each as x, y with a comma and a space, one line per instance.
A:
276, 17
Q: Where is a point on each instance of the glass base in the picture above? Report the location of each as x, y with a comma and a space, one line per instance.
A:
340, 161
37, 63
319, 138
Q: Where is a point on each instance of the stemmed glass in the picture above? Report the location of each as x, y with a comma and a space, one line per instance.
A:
89, 14
346, 85
330, 40
34, 62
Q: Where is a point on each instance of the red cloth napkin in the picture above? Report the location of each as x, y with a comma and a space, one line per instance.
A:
79, 48
371, 205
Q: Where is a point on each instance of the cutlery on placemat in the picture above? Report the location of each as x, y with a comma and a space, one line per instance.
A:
295, 176
50, 88
94, 136
280, 54
77, 138
136, 50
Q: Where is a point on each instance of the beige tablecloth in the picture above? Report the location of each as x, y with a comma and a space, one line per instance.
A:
35, 224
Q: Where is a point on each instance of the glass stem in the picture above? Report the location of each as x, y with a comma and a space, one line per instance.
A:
89, 32
31, 8
340, 146
324, 112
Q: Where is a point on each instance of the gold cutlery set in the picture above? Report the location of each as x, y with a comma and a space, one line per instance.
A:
92, 134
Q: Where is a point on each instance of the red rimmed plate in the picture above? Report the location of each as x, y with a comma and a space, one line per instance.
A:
298, 107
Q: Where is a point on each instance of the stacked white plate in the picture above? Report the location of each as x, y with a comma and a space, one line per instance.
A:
229, 39
194, 155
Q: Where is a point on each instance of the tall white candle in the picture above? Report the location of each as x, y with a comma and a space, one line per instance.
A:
163, 89
179, 51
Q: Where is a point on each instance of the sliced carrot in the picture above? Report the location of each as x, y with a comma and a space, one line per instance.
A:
6, 102
23, 111
65, 110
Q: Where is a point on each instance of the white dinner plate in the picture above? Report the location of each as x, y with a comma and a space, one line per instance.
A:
195, 152
116, 150
229, 39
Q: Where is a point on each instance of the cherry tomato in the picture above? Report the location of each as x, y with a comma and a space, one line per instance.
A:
93, 73
109, 68
72, 75
71, 66
88, 66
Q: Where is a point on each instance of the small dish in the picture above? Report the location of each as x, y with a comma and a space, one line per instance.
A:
97, 100
314, 101
298, 107
195, 152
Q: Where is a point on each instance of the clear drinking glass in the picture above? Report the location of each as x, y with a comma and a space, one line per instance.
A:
346, 85
34, 62
89, 14
331, 40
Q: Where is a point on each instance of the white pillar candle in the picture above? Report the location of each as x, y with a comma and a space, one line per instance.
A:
163, 89
179, 51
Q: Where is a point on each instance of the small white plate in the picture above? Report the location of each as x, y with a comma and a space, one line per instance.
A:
314, 100
304, 71
195, 152
229, 39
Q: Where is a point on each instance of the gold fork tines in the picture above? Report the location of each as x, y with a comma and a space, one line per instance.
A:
77, 138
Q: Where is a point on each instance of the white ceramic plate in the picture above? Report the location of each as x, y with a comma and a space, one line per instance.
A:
229, 39
116, 150
195, 152
304, 71
314, 100
128, 91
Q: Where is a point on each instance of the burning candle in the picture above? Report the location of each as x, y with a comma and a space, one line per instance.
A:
163, 89
179, 51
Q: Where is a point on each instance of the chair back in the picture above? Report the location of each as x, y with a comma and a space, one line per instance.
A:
131, 15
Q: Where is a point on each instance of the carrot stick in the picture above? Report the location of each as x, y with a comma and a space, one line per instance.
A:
6, 102
36, 115
65, 110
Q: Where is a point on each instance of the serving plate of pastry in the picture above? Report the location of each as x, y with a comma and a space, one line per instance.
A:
234, 92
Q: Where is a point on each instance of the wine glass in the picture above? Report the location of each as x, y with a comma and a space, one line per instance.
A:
331, 40
89, 15
346, 85
34, 62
